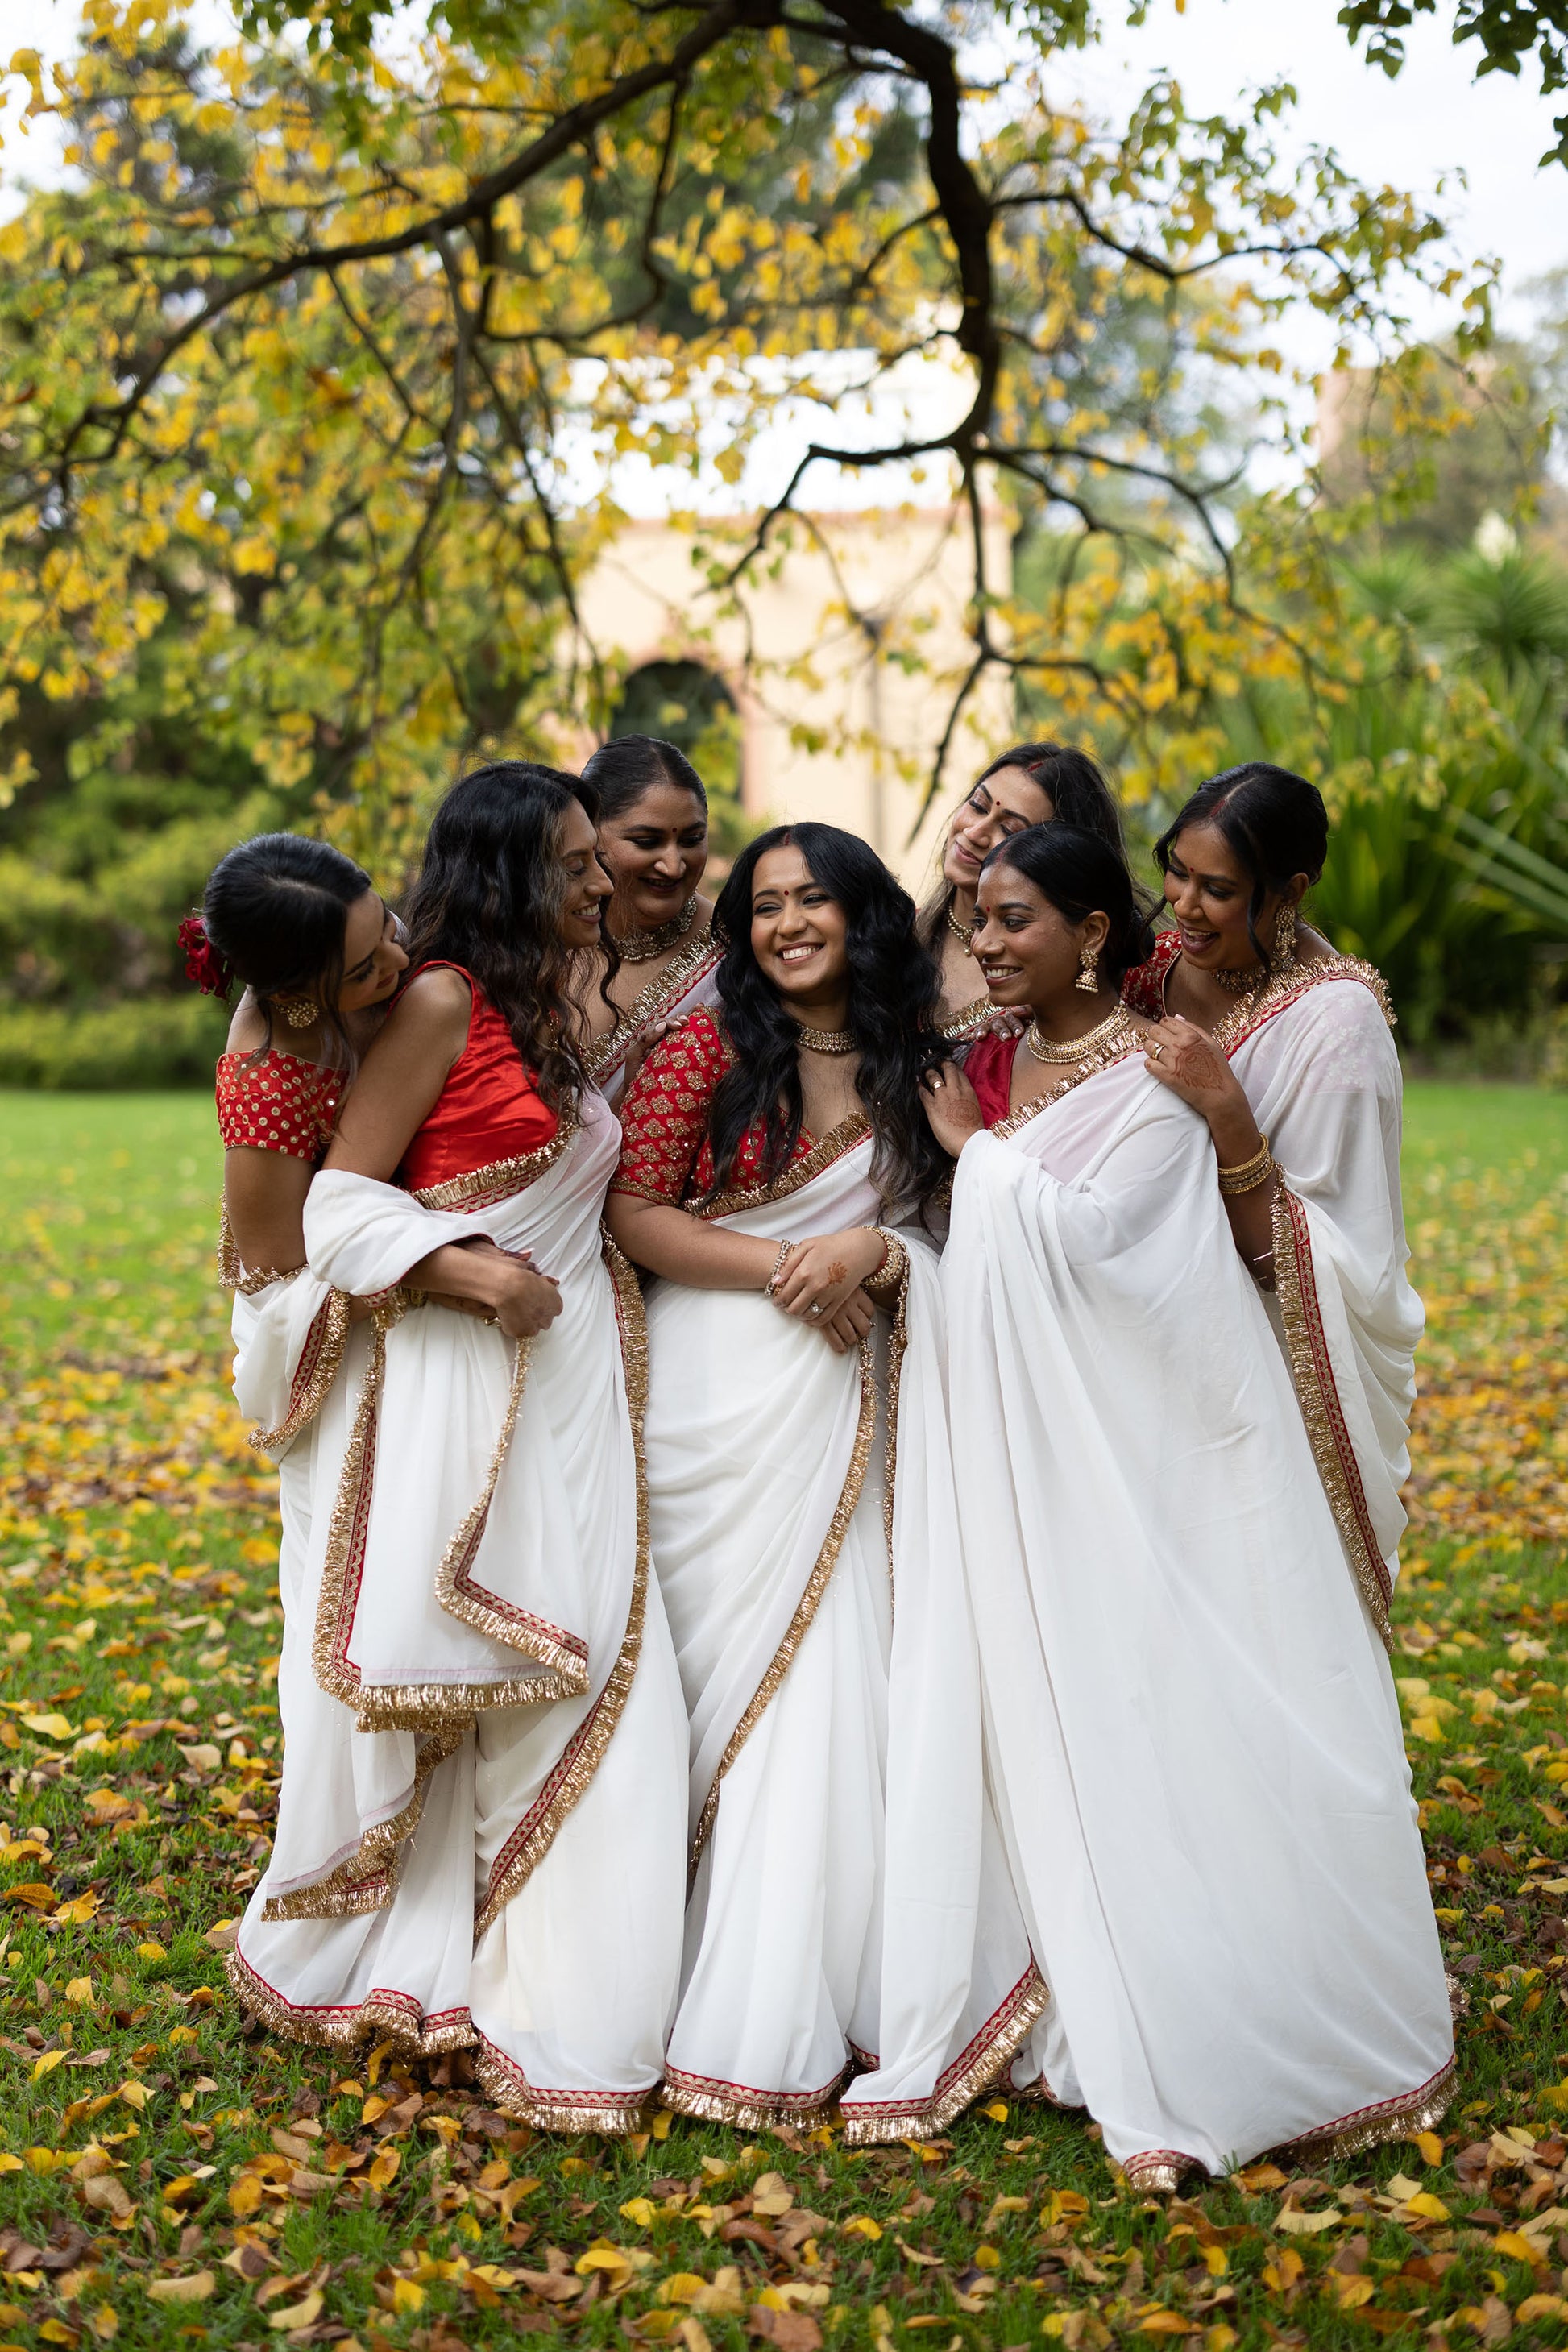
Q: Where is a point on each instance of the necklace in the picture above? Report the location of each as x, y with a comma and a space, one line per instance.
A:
962, 932
641, 947
1047, 1049
826, 1041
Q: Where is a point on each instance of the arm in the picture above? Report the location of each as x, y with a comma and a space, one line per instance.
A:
1191, 1065
264, 1194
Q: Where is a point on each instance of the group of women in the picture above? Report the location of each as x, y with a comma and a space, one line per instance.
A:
839, 1464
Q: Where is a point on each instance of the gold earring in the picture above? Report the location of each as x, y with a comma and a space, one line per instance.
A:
1088, 970
1282, 955
299, 1012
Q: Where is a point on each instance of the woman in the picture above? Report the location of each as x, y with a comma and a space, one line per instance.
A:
1194, 1740
770, 1153
483, 1571
1284, 1047
653, 844
1028, 786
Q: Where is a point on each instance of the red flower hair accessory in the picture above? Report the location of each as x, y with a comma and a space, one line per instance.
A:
204, 965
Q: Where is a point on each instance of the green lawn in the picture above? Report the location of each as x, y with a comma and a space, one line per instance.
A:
166, 2180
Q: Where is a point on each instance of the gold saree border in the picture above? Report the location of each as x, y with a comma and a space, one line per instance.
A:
1287, 986
480, 1188
367, 1879
320, 1361
693, 962
1312, 1376
807, 1607
232, 1273
1397, 2118
894, 1276
383, 2014
555, 2110
987, 2054
828, 1148
967, 1023
532, 1839
707, 2098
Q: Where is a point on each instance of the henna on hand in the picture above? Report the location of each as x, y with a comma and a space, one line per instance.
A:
1199, 1065
837, 1272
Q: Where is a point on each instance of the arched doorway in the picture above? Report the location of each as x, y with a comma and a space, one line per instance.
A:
689, 706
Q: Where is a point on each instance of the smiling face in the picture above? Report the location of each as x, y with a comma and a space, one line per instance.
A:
373, 958
1208, 891
799, 935
1000, 805
587, 884
657, 851
1029, 951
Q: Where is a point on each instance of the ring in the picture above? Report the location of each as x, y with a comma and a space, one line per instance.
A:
1156, 1051
817, 1309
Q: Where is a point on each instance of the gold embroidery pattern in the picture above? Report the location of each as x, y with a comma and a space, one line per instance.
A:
367, 1880
320, 1359
816, 1586
990, 2053
232, 1273
534, 1834
743, 2108
696, 960
834, 1145
894, 1276
1312, 1376
970, 1020
1285, 988
1158, 2171
392, 2016
1400, 2119
553, 2110
480, 1188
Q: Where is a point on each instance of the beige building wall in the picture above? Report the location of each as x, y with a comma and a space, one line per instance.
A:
836, 722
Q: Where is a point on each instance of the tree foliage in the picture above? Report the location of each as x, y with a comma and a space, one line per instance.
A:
1509, 32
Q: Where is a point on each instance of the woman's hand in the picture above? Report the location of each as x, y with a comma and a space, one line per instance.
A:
951, 1107
845, 1330
1186, 1060
821, 1276
526, 1303
645, 1041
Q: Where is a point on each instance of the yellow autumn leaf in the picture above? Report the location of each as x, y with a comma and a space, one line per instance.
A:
1430, 2145
862, 2226
46, 2063
1430, 2208
50, 1726
997, 2111
136, 2094
683, 2286
407, 2296
195, 2288
1513, 2242
382, 2172
640, 2211
308, 2310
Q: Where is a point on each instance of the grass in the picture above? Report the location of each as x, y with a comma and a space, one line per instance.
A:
166, 2180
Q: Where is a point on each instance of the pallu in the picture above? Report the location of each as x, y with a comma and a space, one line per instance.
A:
481, 1616
1193, 1733
687, 981
847, 1908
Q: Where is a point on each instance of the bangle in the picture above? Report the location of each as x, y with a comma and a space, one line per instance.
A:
1247, 1174
771, 1283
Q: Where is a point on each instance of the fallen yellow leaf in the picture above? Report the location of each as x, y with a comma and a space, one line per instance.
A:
308, 2310
195, 2288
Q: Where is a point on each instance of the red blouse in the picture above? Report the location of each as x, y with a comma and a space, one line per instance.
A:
1143, 988
988, 1067
488, 1109
277, 1104
665, 1151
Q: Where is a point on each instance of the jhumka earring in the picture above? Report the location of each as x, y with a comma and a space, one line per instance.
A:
1088, 971
299, 1012
1282, 955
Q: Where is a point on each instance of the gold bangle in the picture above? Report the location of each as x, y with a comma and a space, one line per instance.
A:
773, 1281
1247, 1174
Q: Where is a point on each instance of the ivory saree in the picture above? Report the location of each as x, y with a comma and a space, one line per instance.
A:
687, 980
1193, 1740
846, 1906
488, 1849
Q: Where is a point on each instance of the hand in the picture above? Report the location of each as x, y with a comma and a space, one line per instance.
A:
951, 1107
527, 1303
1185, 1059
845, 1330
822, 1275
645, 1041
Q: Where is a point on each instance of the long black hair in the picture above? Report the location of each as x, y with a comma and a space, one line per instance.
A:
894, 988
1082, 875
490, 895
276, 910
627, 766
1273, 822
1075, 785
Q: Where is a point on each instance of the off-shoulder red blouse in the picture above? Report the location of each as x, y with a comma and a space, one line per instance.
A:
665, 1151
488, 1109
277, 1103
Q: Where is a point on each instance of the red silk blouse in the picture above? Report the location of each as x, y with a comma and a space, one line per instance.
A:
488, 1109
1143, 990
988, 1067
665, 1151
277, 1104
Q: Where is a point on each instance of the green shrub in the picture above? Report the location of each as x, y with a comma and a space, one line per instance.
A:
149, 1041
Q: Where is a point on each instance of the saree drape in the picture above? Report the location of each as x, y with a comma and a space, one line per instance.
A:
1193, 1738
688, 980
485, 1650
803, 1531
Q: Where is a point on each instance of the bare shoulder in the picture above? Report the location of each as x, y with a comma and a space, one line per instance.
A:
434, 1009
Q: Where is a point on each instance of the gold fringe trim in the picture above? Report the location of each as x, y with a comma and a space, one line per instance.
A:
368, 1879
320, 1361
1311, 1375
1401, 2118
1283, 988
499, 1179
816, 1586
989, 2053
652, 1002
532, 1838
556, 2110
382, 2017
441, 1707
968, 1022
743, 2108
232, 1273
1157, 2171
828, 1148
894, 1278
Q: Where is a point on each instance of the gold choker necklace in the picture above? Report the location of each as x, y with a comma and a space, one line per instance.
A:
641, 947
826, 1041
1047, 1049
962, 932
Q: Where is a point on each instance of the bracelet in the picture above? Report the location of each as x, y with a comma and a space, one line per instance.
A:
785, 1248
1247, 1174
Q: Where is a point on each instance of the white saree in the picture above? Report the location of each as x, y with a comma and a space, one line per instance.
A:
1319, 1068
1193, 1739
687, 981
478, 1612
843, 1909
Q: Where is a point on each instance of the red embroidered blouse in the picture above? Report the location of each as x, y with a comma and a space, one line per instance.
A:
1143, 988
488, 1109
665, 1151
277, 1104
988, 1067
